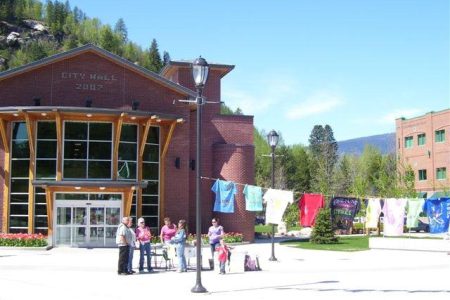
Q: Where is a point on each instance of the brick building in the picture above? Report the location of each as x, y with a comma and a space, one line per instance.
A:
88, 137
423, 142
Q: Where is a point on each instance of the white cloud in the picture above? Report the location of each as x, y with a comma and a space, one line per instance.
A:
389, 118
318, 103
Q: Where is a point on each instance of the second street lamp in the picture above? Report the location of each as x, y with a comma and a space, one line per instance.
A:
272, 138
200, 70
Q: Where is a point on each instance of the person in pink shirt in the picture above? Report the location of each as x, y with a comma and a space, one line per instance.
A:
168, 231
143, 236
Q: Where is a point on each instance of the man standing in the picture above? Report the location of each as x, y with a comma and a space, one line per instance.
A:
122, 240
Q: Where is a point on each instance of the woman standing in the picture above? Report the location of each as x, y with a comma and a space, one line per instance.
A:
168, 231
215, 234
179, 240
143, 235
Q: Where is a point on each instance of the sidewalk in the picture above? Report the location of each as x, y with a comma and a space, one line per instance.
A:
71, 273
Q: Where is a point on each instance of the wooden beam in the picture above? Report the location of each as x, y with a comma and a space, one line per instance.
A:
4, 135
29, 124
49, 201
127, 202
31, 138
59, 146
144, 136
117, 132
139, 175
162, 179
6, 183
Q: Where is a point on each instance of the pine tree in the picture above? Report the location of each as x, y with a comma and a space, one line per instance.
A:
322, 232
121, 29
154, 58
166, 57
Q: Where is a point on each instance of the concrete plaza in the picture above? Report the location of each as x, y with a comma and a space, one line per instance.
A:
73, 273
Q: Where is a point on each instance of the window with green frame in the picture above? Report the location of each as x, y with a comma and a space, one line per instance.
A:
440, 136
421, 139
408, 142
423, 174
441, 173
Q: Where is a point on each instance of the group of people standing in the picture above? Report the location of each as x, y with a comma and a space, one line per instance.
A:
171, 235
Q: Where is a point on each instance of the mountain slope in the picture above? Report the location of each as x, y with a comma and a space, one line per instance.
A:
384, 142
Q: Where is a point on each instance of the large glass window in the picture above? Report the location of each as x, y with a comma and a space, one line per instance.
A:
421, 139
87, 150
408, 142
128, 152
441, 173
150, 172
423, 174
440, 136
20, 162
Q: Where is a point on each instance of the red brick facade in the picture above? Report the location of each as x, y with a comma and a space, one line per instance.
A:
432, 154
227, 141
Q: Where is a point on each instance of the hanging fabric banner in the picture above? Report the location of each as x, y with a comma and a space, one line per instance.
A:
225, 192
309, 206
438, 211
415, 207
276, 203
343, 210
373, 212
394, 216
253, 198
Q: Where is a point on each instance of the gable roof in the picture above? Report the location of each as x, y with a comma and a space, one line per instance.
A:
173, 64
101, 52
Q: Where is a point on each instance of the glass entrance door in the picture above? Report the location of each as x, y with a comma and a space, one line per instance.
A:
86, 223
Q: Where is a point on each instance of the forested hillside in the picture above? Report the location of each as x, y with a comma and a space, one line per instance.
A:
31, 30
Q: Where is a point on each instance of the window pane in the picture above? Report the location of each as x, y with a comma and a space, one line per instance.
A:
99, 169
19, 185
126, 170
38, 198
20, 149
74, 169
149, 199
127, 151
106, 197
40, 222
100, 131
99, 150
153, 135
150, 171
46, 130
151, 221
151, 189
20, 168
128, 133
74, 196
45, 168
18, 221
19, 131
41, 231
75, 131
151, 153
18, 209
19, 198
75, 150
46, 149
149, 210
40, 209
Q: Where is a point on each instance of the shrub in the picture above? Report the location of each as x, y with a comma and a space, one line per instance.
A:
230, 237
323, 232
22, 240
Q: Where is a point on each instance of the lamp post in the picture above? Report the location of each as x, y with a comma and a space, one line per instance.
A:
272, 138
200, 73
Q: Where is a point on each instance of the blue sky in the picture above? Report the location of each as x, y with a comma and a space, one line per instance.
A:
355, 65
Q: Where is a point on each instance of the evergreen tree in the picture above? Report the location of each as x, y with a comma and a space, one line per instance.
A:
154, 62
121, 30
166, 57
323, 232
108, 40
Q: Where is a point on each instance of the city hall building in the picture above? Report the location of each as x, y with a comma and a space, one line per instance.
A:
88, 137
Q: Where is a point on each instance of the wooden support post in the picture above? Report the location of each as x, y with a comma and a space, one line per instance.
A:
6, 169
31, 138
117, 130
162, 167
59, 146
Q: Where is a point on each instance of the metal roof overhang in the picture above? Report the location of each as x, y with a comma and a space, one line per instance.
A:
90, 183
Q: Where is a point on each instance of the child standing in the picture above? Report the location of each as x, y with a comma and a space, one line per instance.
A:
223, 253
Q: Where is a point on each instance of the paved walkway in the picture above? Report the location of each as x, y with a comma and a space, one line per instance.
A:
71, 273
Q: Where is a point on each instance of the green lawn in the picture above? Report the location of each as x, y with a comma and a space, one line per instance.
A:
357, 243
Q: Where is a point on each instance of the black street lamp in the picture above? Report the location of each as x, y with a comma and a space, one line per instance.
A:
200, 70
272, 138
